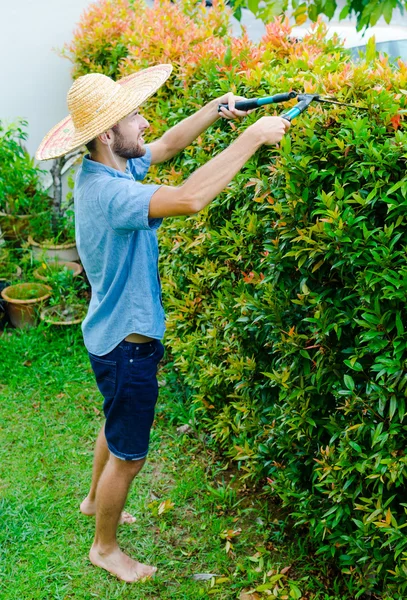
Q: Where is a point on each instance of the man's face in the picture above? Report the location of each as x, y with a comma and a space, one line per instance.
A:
128, 136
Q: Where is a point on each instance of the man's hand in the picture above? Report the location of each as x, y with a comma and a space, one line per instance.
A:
270, 130
231, 112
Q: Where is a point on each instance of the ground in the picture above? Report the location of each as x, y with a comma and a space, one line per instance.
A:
192, 516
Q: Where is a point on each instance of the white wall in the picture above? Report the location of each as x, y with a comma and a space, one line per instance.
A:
34, 79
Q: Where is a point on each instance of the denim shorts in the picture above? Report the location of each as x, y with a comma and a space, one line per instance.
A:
127, 379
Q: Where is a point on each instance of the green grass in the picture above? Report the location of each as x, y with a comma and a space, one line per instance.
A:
50, 413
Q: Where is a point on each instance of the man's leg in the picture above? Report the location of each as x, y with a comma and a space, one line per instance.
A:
101, 456
111, 494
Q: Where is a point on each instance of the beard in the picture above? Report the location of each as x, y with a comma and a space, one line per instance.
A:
126, 150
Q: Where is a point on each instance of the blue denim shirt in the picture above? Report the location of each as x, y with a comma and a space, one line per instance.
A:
118, 247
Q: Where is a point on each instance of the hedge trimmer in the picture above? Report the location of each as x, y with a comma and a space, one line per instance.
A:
304, 100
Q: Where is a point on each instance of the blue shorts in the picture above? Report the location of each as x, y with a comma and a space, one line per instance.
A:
127, 379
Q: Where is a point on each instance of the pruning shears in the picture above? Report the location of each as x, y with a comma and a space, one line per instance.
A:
304, 100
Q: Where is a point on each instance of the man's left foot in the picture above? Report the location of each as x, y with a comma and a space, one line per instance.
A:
88, 508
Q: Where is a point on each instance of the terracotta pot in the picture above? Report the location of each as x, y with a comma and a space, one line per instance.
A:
67, 252
52, 315
74, 267
23, 299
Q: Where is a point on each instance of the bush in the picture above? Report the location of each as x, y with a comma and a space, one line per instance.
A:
286, 296
20, 186
115, 36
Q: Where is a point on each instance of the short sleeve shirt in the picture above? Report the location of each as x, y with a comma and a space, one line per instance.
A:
117, 244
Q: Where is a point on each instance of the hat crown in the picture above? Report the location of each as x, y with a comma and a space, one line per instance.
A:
89, 97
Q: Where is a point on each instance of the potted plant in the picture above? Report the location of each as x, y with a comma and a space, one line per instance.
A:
68, 305
54, 235
47, 270
21, 195
23, 301
9, 269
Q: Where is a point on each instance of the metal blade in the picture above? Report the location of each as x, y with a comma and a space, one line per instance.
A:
333, 101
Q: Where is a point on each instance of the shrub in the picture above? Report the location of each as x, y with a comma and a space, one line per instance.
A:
286, 296
116, 36
20, 186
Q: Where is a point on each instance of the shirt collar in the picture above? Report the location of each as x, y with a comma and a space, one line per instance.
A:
92, 166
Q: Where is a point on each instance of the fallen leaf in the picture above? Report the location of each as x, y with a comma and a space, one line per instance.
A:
165, 506
203, 576
249, 595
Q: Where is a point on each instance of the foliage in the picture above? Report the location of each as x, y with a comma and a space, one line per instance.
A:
286, 297
57, 226
53, 229
366, 12
20, 186
8, 264
67, 289
115, 36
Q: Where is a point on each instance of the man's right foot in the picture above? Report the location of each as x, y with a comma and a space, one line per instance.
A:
119, 564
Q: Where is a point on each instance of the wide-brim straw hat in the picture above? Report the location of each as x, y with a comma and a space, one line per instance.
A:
96, 103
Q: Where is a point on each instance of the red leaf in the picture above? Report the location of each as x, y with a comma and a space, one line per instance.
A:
395, 121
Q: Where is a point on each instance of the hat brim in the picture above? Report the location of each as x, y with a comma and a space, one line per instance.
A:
136, 89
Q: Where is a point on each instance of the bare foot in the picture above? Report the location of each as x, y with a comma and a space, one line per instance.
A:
88, 508
119, 564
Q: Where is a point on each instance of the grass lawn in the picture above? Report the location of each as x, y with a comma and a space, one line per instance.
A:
191, 518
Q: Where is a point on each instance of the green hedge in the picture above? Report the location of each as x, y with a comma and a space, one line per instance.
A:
286, 297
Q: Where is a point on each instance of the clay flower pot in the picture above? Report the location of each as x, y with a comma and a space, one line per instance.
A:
62, 315
45, 272
67, 251
23, 300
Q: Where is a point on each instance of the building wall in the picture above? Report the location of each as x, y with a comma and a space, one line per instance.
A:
34, 79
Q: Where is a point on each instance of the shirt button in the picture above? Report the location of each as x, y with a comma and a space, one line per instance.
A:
131, 360
137, 347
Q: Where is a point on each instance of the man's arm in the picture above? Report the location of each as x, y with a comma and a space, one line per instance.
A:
184, 133
210, 179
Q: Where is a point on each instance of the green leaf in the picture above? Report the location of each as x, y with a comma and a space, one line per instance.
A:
270, 584
295, 592
355, 446
399, 323
393, 407
388, 10
355, 365
371, 49
350, 384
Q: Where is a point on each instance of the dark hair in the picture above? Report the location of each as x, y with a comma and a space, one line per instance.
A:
91, 146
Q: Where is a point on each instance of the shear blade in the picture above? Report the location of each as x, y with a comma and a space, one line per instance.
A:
334, 101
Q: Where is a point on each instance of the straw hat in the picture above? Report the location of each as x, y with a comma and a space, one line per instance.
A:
96, 103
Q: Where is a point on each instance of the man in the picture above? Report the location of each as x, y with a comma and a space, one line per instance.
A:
116, 222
